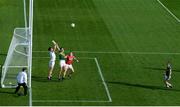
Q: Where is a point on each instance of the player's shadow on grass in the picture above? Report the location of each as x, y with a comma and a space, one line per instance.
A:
159, 69
5, 92
1, 54
152, 87
43, 79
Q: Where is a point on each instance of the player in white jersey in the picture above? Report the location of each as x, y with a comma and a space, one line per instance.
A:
52, 60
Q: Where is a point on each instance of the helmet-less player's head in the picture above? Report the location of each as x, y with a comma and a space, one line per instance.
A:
71, 53
50, 49
24, 69
61, 49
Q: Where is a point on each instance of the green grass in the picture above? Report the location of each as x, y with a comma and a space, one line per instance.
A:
173, 5
85, 86
10, 17
101, 26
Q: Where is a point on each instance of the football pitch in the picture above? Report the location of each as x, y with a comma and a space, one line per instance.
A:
122, 46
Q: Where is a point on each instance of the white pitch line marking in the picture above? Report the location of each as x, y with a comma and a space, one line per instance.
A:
116, 52
97, 101
104, 83
76, 101
168, 11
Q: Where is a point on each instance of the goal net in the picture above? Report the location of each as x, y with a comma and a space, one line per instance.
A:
17, 57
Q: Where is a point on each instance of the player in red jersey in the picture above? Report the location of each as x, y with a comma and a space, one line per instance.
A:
69, 61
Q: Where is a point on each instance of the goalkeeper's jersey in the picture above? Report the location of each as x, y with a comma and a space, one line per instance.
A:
62, 56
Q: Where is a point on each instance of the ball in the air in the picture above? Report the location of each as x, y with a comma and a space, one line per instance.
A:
73, 25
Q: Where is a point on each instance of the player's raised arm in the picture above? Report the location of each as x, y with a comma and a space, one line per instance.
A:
76, 59
55, 47
56, 44
58, 47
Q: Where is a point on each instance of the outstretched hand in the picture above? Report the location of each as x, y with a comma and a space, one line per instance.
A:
77, 60
54, 42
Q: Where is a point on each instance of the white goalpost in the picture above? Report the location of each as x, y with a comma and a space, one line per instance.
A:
30, 49
20, 52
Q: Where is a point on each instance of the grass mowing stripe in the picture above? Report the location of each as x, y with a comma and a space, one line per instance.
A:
104, 83
77, 57
142, 53
168, 11
106, 52
16, 66
75, 101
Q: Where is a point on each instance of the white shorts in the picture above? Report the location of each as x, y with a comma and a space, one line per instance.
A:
62, 63
51, 64
69, 67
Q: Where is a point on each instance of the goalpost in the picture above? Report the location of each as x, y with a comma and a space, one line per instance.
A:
20, 52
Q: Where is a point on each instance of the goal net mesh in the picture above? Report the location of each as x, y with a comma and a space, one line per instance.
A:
16, 59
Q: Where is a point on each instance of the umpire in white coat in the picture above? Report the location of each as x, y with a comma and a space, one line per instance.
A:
22, 81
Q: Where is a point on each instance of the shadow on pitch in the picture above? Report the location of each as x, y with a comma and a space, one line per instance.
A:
1, 54
159, 69
4, 92
43, 79
143, 86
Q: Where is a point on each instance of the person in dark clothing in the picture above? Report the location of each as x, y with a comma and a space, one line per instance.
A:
167, 75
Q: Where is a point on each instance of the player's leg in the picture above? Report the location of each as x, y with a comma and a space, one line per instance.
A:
25, 88
61, 73
51, 67
168, 84
50, 72
17, 88
165, 81
66, 67
62, 69
71, 71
